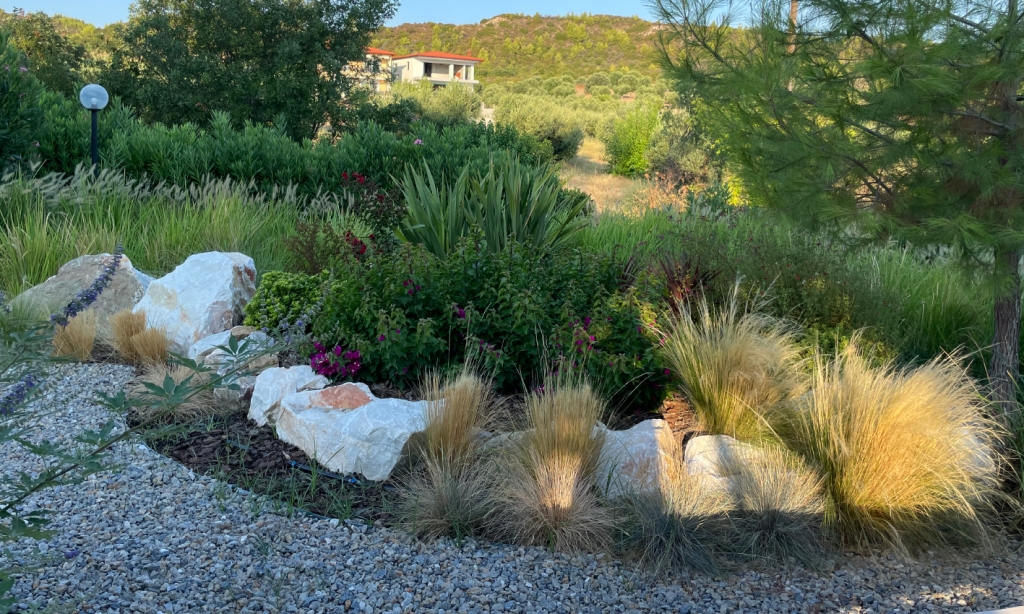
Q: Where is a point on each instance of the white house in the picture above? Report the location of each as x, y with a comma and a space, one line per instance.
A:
438, 67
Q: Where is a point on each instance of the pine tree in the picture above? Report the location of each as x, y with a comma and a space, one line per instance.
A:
884, 119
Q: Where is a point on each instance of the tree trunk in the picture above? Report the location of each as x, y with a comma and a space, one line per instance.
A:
794, 6
1004, 367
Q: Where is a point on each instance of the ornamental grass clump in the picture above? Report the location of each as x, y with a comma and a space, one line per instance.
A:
451, 493
740, 370
684, 523
907, 456
76, 338
778, 508
547, 495
134, 342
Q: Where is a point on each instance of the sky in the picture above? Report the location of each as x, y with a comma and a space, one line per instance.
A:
103, 12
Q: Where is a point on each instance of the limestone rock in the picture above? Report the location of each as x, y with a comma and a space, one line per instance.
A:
241, 332
633, 460
348, 430
202, 348
125, 290
202, 296
275, 384
236, 397
717, 455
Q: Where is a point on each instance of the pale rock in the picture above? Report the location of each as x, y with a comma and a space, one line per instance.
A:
276, 383
236, 397
718, 455
348, 430
202, 296
634, 459
241, 332
123, 292
202, 348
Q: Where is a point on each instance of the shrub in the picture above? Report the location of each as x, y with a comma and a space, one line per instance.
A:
265, 156
444, 106
409, 312
907, 457
77, 338
20, 113
626, 145
738, 370
546, 119
679, 151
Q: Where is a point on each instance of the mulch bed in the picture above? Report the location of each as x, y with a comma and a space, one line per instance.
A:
231, 448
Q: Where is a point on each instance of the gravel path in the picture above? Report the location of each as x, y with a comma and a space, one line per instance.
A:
153, 537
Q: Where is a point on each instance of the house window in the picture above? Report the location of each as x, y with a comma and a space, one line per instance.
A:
427, 69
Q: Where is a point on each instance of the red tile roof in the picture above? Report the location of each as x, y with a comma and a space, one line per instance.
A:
376, 51
441, 55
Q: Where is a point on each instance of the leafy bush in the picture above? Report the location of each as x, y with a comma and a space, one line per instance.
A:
626, 145
266, 156
408, 312
20, 113
544, 118
680, 152
510, 203
444, 106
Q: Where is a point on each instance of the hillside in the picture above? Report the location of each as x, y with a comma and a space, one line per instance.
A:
517, 47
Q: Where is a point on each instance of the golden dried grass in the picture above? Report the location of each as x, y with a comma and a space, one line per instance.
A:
136, 343
907, 455
77, 339
740, 370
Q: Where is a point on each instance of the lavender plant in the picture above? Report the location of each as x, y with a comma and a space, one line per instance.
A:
84, 299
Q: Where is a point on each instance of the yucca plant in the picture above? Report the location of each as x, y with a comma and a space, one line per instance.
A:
511, 202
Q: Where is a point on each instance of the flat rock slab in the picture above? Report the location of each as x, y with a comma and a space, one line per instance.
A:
124, 291
348, 430
202, 296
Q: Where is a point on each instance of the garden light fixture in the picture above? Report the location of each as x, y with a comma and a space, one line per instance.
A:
94, 98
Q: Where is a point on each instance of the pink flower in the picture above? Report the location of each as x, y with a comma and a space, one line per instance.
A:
22, 69
418, 142
668, 371
381, 338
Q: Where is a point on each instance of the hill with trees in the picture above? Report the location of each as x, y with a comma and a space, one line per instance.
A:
517, 47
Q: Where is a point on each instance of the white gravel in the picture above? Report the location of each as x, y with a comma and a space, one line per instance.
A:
154, 537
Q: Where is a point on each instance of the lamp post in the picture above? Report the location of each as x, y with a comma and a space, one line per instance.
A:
94, 98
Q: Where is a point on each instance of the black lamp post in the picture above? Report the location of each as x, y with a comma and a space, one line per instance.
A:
94, 98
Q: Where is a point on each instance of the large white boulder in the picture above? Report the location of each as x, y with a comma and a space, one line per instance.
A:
274, 384
202, 296
348, 430
124, 291
718, 456
635, 459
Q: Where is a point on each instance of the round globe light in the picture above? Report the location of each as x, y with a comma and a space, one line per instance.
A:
93, 97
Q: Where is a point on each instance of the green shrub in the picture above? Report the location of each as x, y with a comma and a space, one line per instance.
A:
444, 106
544, 118
598, 79
679, 152
626, 145
266, 156
20, 113
513, 311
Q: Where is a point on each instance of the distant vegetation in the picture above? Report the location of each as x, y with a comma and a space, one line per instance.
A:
517, 47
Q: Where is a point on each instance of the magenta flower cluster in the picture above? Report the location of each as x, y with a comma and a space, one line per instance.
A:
335, 363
